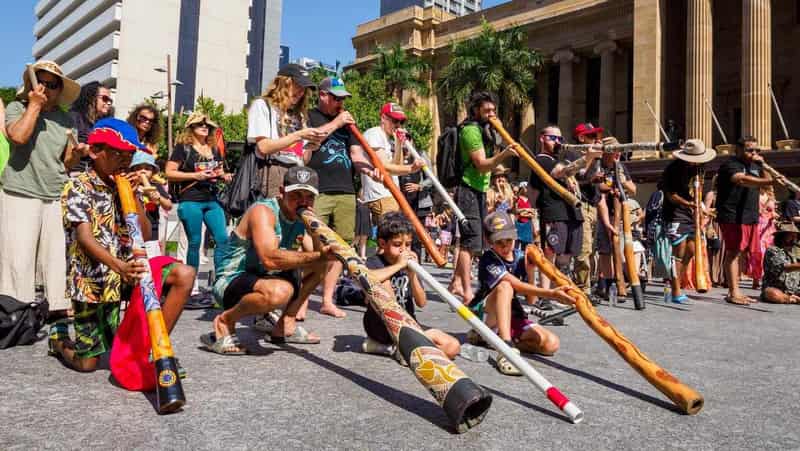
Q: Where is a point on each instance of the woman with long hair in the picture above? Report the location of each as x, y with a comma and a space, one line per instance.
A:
525, 214
147, 121
767, 214
94, 102
196, 166
276, 125
500, 195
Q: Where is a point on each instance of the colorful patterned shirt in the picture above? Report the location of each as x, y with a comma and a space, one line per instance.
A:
86, 198
775, 276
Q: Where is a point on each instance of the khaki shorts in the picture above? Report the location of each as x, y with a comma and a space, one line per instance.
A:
382, 206
339, 212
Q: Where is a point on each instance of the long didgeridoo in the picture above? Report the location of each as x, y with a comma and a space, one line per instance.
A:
700, 266
465, 402
437, 185
616, 250
169, 391
630, 260
686, 398
780, 179
422, 233
553, 394
622, 148
548, 180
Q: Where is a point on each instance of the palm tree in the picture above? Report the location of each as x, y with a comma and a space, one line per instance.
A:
401, 71
495, 61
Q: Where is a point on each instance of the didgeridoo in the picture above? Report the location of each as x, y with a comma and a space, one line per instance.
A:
71, 139
788, 184
32, 76
621, 148
553, 394
684, 397
630, 260
548, 180
700, 266
422, 233
437, 185
169, 391
465, 402
616, 251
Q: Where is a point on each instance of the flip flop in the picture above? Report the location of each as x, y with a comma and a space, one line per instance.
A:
300, 336
222, 346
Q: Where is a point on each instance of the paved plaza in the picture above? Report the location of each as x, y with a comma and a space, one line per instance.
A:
744, 360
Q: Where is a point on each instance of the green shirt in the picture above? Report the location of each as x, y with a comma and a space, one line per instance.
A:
4, 149
35, 169
470, 139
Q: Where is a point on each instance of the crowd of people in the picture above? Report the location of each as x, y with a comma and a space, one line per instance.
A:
62, 228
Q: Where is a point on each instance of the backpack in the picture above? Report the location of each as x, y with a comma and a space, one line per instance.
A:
449, 164
348, 293
653, 215
245, 188
20, 322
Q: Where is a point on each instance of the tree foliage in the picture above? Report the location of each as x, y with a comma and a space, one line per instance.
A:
400, 71
8, 94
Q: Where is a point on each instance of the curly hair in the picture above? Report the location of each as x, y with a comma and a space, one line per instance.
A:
477, 99
278, 94
392, 224
153, 136
86, 101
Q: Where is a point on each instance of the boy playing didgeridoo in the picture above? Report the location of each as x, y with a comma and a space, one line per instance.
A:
502, 274
394, 251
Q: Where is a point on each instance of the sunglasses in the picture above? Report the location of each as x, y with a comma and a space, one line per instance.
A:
146, 120
555, 138
200, 125
753, 150
52, 85
107, 99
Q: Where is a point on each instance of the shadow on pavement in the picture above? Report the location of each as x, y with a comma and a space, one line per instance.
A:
526, 404
347, 343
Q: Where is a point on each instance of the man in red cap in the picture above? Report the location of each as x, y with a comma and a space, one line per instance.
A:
387, 139
587, 133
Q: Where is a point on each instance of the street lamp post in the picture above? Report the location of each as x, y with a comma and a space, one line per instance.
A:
170, 84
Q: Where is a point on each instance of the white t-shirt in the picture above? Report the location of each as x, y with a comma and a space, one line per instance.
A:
262, 122
383, 146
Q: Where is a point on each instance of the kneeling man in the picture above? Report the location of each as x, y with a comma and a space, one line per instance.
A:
782, 268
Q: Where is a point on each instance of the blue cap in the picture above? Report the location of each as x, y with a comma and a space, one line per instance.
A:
144, 158
116, 134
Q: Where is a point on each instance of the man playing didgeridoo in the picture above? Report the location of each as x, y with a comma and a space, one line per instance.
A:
258, 271
394, 251
782, 268
99, 249
678, 209
503, 273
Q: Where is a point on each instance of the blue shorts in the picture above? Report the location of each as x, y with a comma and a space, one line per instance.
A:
678, 232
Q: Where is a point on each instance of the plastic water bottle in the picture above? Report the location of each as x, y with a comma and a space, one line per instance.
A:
667, 292
474, 353
373, 347
612, 294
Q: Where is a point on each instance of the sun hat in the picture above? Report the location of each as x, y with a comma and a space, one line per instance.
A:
147, 158
116, 134
70, 89
785, 227
499, 226
500, 170
694, 151
198, 117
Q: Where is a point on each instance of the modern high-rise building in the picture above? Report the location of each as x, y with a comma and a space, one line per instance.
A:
223, 50
284, 59
457, 7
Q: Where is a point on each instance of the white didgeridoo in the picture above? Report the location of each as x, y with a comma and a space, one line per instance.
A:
553, 394
436, 185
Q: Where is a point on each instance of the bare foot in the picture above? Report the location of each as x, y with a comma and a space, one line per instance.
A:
332, 310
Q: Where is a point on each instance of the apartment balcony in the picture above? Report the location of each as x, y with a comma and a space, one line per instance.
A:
104, 24
106, 49
42, 6
106, 74
72, 22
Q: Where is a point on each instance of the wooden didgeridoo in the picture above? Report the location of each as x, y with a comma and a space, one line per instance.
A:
687, 399
616, 251
169, 390
630, 260
422, 233
465, 402
700, 266
548, 180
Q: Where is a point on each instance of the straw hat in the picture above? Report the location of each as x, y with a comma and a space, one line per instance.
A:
694, 151
500, 170
785, 227
198, 118
69, 92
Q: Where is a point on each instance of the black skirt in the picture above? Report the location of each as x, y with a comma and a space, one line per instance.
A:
363, 222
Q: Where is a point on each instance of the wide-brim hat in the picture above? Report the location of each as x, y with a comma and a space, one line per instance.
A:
500, 170
785, 227
694, 151
198, 118
70, 88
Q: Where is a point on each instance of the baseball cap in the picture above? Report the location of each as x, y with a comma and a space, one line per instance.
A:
301, 177
499, 226
587, 129
394, 111
335, 86
116, 134
141, 157
298, 74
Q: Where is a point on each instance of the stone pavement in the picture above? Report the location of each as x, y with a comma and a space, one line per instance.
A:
744, 360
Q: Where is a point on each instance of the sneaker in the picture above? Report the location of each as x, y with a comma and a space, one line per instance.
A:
371, 346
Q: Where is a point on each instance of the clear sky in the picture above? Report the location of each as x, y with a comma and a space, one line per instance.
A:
312, 28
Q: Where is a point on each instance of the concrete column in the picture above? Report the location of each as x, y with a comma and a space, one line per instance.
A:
527, 135
565, 60
699, 74
647, 68
756, 70
607, 51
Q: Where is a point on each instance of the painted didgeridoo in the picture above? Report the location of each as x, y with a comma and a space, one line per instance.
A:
437, 185
685, 398
548, 180
169, 391
422, 232
553, 394
700, 264
627, 147
465, 402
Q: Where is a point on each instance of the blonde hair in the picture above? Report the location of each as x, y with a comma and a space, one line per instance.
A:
496, 194
279, 95
187, 138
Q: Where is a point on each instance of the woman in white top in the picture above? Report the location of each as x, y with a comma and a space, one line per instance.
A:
276, 125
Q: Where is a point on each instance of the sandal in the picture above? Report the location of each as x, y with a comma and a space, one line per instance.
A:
227, 345
59, 331
506, 367
738, 300
300, 336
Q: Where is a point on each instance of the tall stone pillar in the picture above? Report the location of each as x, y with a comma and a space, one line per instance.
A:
699, 75
565, 60
647, 68
607, 51
756, 70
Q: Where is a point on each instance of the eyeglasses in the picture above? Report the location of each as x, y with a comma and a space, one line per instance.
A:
144, 119
52, 85
107, 99
556, 138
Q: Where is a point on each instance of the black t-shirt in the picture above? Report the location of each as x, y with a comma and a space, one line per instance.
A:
736, 204
551, 206
332, 160
678, 178
189, 160
790, 209
400, 284
492, 269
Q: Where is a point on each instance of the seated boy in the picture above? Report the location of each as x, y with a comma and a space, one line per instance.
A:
99, 251
503, 273
394, 251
